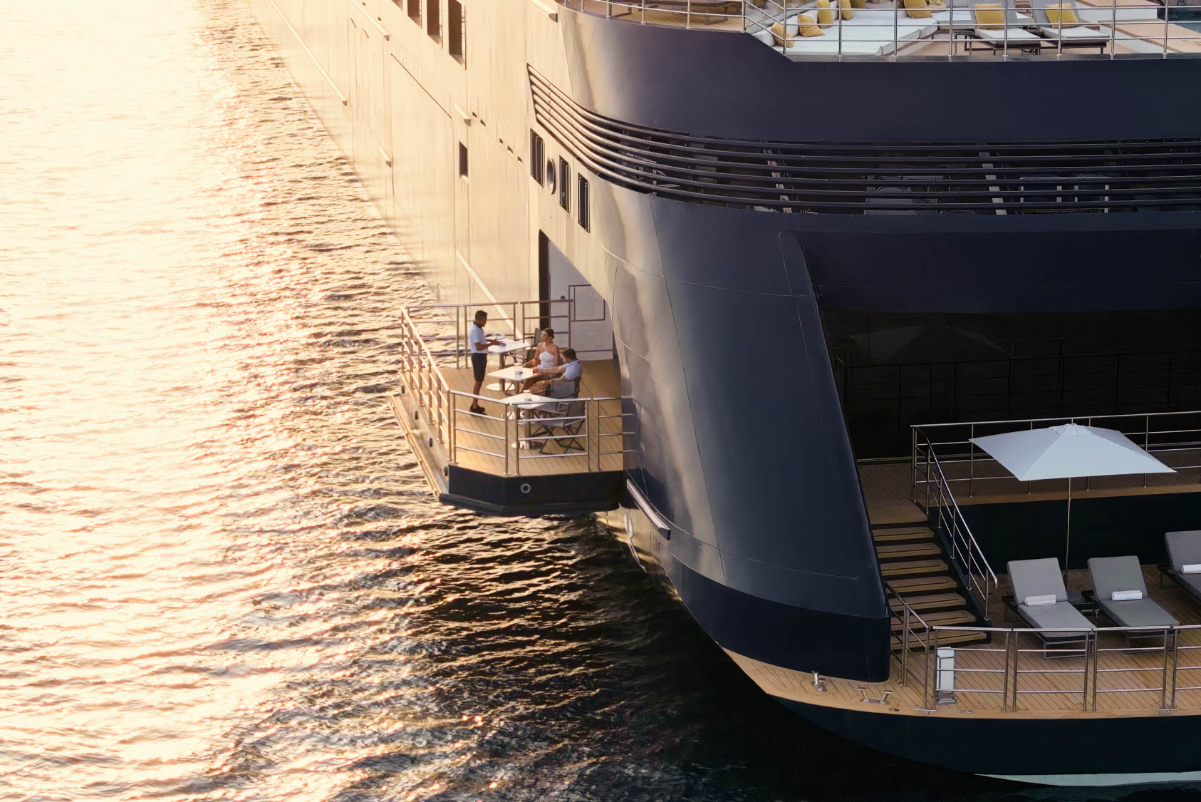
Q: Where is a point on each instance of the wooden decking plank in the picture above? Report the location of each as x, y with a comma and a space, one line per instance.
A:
913, 567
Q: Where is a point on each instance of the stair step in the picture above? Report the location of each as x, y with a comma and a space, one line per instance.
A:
913, 567
932, 601
941, 618
922, 584
944, 639
895, 550
902, 535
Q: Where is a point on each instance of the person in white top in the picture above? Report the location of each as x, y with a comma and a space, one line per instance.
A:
572, 370
546, 359
478, 344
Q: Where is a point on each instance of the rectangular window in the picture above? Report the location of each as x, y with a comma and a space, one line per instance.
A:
433, 18
415, 11
456, 30
462, 160
564, 184
581, 204
536, 153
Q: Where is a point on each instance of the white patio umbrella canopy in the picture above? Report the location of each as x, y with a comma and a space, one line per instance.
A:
1066, 452
1070, 450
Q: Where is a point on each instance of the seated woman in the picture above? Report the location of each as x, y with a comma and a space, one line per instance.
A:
546, 359
572, 370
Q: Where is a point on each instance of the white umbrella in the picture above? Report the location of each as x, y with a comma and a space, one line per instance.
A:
1065, 452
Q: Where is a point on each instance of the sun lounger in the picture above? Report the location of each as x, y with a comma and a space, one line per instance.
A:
1009, 35
1074, 34
1042, 601
1184, 551
1117, 580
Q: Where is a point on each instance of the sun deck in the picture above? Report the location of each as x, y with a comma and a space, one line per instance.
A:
1119, 28
1128, 680
945, 596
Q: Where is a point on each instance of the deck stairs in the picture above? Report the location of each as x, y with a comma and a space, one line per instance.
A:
913, 562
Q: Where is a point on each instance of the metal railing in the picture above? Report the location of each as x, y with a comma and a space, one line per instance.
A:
508, 440
943, 513
574, 434
1033, 670
514, 320
1136, 27
1174, 437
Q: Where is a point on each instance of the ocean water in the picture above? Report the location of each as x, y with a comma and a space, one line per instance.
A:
221, 574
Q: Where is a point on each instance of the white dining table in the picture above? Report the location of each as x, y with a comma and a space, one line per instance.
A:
514, 373
507, 346
526, 400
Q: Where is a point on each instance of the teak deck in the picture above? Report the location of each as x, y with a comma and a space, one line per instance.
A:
1059, 693
486, 434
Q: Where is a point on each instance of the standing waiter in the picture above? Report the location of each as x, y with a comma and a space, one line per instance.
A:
478, 343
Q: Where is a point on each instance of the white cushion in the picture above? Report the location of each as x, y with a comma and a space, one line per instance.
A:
1192, 568
1015, 35
1126, 595
1040, 601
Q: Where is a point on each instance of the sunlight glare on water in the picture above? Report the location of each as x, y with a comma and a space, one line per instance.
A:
223, 575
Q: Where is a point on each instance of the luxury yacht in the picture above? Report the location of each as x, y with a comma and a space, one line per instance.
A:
808, 252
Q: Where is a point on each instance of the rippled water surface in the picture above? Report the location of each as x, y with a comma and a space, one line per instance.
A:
221, 575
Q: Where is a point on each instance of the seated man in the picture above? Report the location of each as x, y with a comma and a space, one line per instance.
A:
572, 370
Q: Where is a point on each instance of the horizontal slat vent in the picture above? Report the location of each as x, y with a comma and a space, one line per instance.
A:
888, 178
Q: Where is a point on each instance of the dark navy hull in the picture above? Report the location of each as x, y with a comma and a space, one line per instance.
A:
1062, 751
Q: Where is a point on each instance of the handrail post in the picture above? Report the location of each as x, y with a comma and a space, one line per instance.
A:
971, 462
1167, 654
1096, 664
1017, 657
927, 692
1089, 640
1175, 664
508, 450
913, 464
904, 643
1005, 675
452, 435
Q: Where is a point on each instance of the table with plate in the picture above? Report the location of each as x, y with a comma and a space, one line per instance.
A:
514, 374
508, 346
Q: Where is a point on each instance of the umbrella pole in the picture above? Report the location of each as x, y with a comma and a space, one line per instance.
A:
1067, 545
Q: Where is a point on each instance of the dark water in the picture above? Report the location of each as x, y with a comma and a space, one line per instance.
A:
221, 576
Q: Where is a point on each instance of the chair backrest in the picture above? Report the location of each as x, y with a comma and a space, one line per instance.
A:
1116, 573
1184, 548
562, 389
1011, 17
1037, 578
574, 409
1038, 8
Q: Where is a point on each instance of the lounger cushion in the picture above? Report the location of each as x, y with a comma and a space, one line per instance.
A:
1078, 34
1184, 548
1195, 568
1055, 616
1190, 582
1037, 578
1064, 14
779, 34
1015, 35
807, 26
825, 16
1139, 613
990, 16
1111, 574
1126, 595
918, 9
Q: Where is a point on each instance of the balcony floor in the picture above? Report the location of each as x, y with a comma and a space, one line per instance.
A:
486, 434
1056, 694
